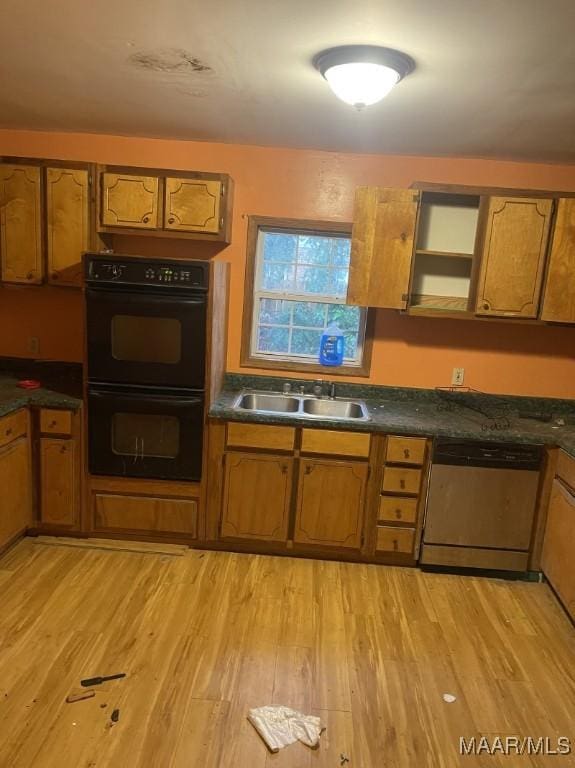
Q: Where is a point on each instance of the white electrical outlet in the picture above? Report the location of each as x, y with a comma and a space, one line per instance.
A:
457, 377
34, 345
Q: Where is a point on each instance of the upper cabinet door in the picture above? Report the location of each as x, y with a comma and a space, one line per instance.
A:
515, 236
559, 295
192, 205
129, 201
382, 241
68, 224
21, 223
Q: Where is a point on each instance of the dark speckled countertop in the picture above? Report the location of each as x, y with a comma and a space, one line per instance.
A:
61, 385
403, 411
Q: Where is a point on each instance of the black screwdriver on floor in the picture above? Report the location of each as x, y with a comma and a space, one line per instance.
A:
99, 680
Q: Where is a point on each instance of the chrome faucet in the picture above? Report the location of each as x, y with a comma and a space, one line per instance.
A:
331, 394
286, 387
318, 388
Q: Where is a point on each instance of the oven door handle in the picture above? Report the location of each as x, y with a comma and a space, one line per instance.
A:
130, 298
148, 397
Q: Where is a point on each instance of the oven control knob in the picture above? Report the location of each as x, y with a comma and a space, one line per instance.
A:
117, 271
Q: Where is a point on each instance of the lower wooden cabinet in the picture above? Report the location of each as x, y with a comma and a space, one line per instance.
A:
16, 485
330, 502
257, 494
59, 503
557, 559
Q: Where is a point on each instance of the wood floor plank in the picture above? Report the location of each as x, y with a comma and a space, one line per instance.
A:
205, 636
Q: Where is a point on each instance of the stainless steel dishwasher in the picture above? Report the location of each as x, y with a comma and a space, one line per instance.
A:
481, 504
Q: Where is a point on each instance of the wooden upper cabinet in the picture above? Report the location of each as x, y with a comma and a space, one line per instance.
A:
129, 201
559, 294
382, 243
257, 495
330, 503
21, 223
515, 237
67, 223
192, 205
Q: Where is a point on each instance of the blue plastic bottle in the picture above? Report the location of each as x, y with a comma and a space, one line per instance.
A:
331, 346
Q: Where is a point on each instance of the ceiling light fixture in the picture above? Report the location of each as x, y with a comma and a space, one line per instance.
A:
362, 75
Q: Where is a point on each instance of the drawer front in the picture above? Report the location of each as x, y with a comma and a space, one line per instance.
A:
335, 443
405, 450
400, 480
566, 469
390, 539
141, 513
397, 509
54, 422
12, 426
260, 436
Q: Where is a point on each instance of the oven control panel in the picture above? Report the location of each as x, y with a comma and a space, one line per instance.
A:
134, 271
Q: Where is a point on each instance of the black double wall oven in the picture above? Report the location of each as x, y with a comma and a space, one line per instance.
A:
146, 337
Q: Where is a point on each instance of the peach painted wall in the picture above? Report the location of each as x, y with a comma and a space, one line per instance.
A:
408, 351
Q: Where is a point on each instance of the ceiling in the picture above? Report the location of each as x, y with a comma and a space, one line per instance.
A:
494, 78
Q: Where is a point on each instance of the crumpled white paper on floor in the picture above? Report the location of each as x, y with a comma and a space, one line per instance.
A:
281, 726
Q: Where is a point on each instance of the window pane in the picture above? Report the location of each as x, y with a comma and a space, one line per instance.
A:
350, 346
341, 250
309, 313
305, 342
346, 317
314, 250
338, 285
279, 247
273, 339
275, 311
313, 280
277, 277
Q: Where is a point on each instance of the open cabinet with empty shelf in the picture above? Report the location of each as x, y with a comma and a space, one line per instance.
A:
444, 256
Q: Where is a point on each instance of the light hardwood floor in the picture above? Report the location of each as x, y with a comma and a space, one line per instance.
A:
205, 636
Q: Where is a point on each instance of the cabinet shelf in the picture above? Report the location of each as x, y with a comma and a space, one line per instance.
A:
446, 254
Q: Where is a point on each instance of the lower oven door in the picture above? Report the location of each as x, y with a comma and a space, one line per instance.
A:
145, 434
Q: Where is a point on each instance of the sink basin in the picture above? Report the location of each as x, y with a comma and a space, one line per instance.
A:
302, 406
269, 403
334, 409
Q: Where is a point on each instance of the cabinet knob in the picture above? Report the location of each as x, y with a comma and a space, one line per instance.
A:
171, 220
406, 453
395, 545
53, 423
146, 219
30, 276
402, 483
403, 237
284, 469
63, 449
8, 431
308, 469
485, 305
398, 514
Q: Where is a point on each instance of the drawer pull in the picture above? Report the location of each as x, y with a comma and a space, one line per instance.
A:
53, 423
8, 431
63, 449
171, 220
308, 469
146, 219
284, 469
398, 514
402, 483
395, 545
406, 453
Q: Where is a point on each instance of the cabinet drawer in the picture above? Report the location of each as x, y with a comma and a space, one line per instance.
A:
54, 422
12, 426
397, 509
335, 443
400, 480
260, 436
141, 513
390, 539
405, 450
566, 469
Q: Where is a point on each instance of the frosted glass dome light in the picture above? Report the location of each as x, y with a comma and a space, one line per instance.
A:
362, 75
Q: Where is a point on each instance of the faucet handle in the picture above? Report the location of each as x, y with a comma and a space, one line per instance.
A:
286, 387
332, 390
318, 387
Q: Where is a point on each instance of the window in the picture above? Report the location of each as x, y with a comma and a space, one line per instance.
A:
296, 287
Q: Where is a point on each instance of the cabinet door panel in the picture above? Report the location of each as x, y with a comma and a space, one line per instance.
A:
559, 544
15, 482
143, 513
68, 224
330, 503
58, 487
257, 495
559, 295
129, 201
20, 224
192, 205
382, 240
516, 232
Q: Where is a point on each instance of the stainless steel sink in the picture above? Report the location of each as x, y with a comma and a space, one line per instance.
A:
258, 401
302, 406
333, 409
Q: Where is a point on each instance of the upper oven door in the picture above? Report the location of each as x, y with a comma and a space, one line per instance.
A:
146, 339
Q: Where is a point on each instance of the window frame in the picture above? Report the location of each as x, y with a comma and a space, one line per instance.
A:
247, 359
